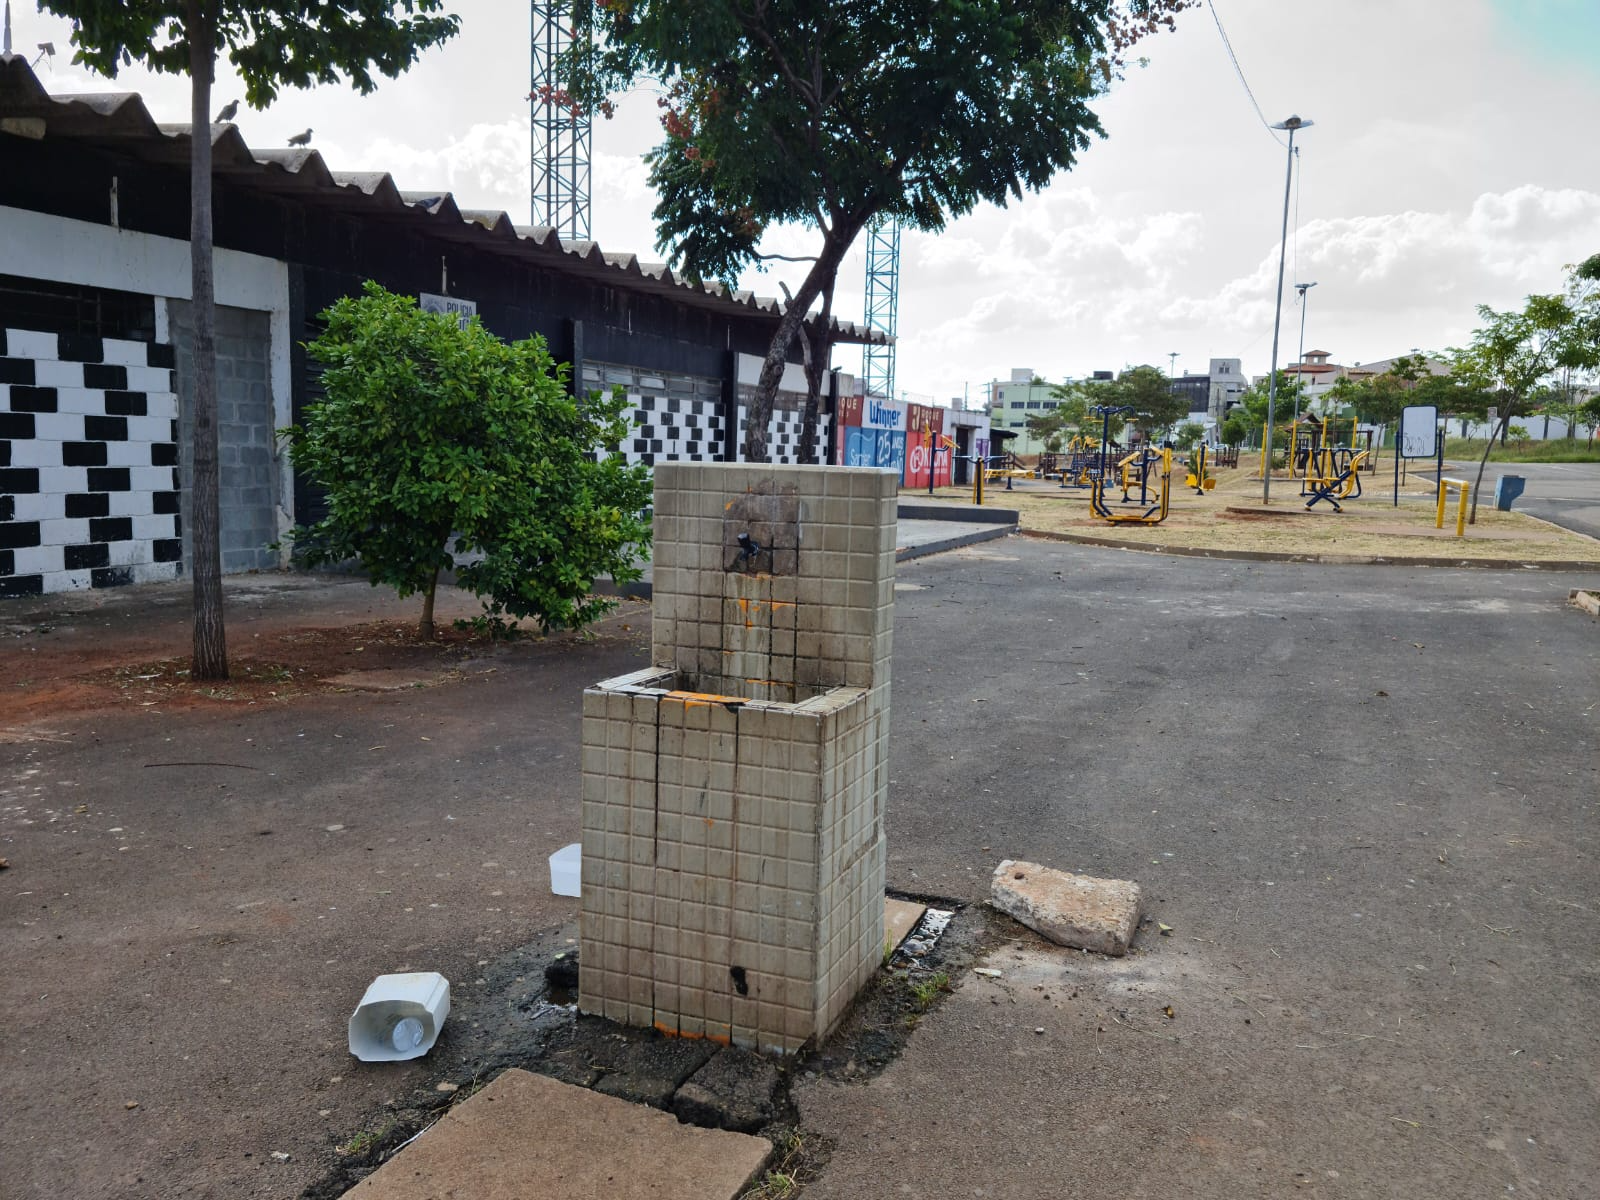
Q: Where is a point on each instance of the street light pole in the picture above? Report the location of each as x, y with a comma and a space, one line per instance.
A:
1292, 124
1300, 374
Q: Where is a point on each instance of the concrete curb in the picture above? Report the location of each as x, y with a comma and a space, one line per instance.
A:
1344, 560
907, 553
1589, 602
969, 514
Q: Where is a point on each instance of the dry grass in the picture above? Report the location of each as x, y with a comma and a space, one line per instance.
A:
1232, 518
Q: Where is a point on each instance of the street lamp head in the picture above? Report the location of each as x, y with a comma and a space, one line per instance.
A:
1292, 123
1303, 287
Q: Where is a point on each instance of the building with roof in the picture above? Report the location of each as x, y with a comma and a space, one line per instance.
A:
94, 315
1024, 395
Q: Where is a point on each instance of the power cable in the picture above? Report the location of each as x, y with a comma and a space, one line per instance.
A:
1239, 71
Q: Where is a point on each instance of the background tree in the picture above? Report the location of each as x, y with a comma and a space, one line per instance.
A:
1049, 428
1508, 356
1235, 429
1156, 406
1073, 400
828, 115
272, 44
1188, 435
443, 447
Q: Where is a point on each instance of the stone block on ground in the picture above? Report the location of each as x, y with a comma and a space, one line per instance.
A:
528, 1135
1072, 910
651, 1069
736, 1090
900, 917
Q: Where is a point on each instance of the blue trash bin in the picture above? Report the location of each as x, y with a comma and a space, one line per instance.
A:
1506, 489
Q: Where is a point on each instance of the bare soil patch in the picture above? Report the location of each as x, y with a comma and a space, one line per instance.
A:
83, 653
1232, 518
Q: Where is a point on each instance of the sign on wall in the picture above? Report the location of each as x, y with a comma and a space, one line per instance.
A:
464, 309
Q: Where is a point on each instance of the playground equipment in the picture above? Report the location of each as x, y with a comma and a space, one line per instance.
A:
1315, 457
1342, 482
1139, 462
1197, 477
1155, 513
1465, 489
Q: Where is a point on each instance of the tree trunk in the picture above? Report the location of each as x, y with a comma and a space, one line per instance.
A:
425, 626
818, 360
1488, 446
210, 641
794, 315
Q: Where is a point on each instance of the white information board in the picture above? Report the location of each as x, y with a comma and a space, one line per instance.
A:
464, 309
1419, 431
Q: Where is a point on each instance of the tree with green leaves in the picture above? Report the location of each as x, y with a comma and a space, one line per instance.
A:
1235, 429
1156, 406
443, 448
1513, 352
831, 116
272, 44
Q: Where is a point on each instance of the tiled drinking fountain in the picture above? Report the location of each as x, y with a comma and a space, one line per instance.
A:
733, 794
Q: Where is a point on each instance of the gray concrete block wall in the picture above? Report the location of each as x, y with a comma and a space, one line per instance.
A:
733, 854
248, 468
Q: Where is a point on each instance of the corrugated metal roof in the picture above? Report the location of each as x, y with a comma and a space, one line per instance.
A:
120, 121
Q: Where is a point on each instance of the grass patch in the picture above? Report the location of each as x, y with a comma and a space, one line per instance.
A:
1550, 450
797, 1160
925, 991
366, 1140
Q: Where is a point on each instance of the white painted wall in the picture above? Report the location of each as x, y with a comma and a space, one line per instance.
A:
41, 246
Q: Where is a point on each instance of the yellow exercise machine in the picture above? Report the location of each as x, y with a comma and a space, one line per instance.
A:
1342, 482
1153, 515
1197, 477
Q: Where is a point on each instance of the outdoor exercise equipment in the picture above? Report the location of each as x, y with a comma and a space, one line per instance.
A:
1154, 514
1197, 477
1341, 482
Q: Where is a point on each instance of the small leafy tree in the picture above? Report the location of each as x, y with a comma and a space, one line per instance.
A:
272, 44
1156, 406
441, 447
1508, 356
1235, 429
1188, 435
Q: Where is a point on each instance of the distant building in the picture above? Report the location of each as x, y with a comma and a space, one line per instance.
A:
1013, 401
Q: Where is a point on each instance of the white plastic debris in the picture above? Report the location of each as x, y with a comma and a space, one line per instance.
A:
566, 870
400, 1016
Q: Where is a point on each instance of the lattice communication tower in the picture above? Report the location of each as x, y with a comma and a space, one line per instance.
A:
883, 304
562, 132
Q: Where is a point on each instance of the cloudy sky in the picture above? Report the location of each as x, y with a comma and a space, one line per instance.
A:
1453, 163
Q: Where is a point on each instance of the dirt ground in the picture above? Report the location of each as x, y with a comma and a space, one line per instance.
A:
201, 880
1232, 518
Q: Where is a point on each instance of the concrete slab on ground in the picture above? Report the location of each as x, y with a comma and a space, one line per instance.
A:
529, 1135
1072, 910
900, 917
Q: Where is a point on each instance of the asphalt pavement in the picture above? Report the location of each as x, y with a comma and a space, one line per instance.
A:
1565, 494
1364, 800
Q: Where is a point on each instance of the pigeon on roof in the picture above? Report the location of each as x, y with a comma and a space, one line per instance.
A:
301, 139
229, 111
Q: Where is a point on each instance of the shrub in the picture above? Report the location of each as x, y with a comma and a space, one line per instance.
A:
441, 446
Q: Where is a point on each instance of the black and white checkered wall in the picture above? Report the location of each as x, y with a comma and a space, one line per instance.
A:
784, 433
88, 463
677, 418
